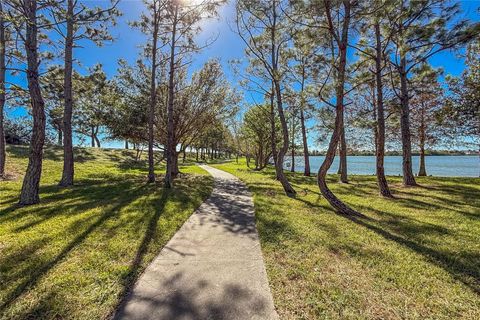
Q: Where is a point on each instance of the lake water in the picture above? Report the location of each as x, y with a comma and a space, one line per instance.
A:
441, 166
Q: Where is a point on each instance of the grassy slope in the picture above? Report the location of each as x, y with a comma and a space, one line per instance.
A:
415, 257
77, 253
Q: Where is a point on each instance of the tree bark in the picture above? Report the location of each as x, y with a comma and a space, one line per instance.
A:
153, 95
31, 181
336, 203
92, 136
3, 153
273, 130
380, 112
169, 176
306, 170
68, 161
126, 144
422, 172
97, 140
287, 187
342, 167
176, 169
408, 177
292, 167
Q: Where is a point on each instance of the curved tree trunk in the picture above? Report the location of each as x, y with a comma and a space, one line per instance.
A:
273, 128
408, 177
342, 167
68, 161
3, 154
380, 128
336, 203
287, 187
31, 181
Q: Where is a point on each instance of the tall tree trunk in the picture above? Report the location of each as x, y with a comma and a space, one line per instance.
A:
170, 129
196, 149
3, 153
422, 172
287, 187
92, 136
336, 203
68, 165
342, 168
306, 170
97, 140
31, 181
408, 177
126, 144
176, 169
273, 136
380, 128
292, 167
95, 136
153, 95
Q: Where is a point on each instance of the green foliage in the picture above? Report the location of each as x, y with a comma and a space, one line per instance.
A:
257, 134
461, 113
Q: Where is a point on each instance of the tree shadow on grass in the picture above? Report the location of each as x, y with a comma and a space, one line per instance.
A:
113, 197
37, 274
463, 269
150, 233
84, 195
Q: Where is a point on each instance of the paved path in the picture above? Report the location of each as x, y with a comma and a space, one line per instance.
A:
212, 268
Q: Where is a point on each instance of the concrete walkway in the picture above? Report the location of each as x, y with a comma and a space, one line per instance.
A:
212, 268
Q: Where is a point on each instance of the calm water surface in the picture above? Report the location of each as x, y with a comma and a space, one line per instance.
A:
441, 166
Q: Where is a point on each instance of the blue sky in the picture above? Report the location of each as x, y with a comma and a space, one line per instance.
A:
228, 45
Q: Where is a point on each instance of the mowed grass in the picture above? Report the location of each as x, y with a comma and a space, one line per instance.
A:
78, 252
414, 257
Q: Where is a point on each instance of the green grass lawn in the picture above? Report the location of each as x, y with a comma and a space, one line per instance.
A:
76, 254
414, 257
